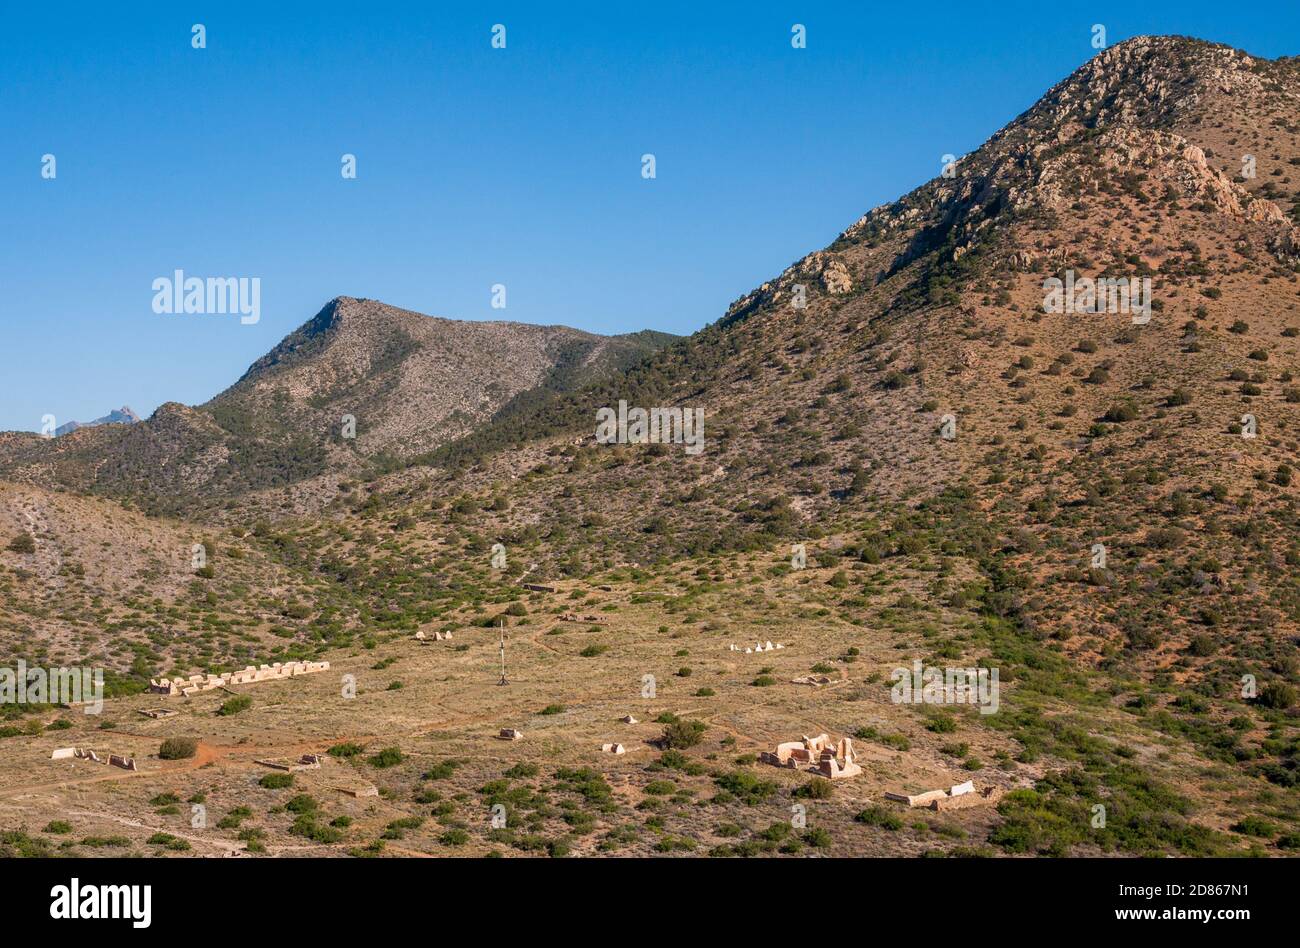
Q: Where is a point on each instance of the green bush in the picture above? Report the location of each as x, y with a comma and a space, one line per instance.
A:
388, 757
1277, 695
818, 788
22, 543
683, 734
235, 705
178, 748
879, 816
745, 787
302, 803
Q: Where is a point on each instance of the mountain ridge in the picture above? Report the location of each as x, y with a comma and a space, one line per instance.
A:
358, 381
117, 416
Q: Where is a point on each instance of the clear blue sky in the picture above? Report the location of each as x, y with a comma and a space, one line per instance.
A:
475, 166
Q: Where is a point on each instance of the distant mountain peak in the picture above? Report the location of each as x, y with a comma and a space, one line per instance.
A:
118, 416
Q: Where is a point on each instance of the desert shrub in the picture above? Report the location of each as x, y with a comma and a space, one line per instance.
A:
682, 734
302, 803
306, 825
1121, 412
169, 841
1254, 826
235, 705
817, 837
178, 748
276, 781
894, 380
588, 783
1277, 694
879, 816
17, 844
22, 543
941, 723
745, 787
101, 842
454, 837
388, 757
818, 788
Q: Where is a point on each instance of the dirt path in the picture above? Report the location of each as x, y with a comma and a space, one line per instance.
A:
216, 843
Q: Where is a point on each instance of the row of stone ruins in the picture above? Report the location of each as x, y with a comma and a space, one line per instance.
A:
818, 755
78, 753
758, 647
196, 683
957, 797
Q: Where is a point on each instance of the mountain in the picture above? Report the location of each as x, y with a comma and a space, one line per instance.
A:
934, 305
118, 416
1169, 441
1102, 506
359, 383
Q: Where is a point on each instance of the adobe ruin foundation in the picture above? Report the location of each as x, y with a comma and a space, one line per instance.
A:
816, 755
250, 675
305, 762
79, 753
367, 791
159, 712
957, 797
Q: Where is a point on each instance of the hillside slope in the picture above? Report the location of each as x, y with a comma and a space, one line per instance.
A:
359, 382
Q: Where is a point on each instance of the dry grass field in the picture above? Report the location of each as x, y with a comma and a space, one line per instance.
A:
436, 708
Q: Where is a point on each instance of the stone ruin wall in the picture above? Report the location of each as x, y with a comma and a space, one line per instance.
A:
250, 675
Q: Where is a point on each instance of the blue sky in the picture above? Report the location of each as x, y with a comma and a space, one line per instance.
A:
475, 166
